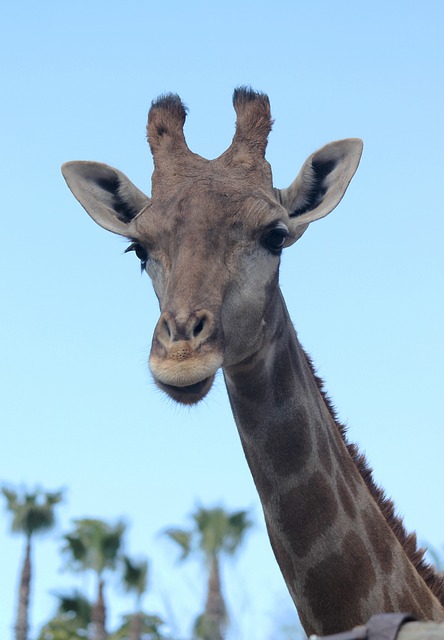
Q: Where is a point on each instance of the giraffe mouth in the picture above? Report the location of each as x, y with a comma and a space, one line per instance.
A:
188, 394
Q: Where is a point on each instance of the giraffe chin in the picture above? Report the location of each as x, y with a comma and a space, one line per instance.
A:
190, 394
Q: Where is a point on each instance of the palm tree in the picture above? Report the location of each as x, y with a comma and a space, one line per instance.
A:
150, 628
71, 621
94, 545
33, 513
135, 578
214, 533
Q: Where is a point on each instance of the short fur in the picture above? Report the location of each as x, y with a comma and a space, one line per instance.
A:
434, 581
254, 121
206, 229
166, 118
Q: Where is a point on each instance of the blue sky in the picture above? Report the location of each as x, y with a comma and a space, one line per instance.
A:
363, 286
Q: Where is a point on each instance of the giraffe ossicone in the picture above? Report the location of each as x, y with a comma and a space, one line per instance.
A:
210, 237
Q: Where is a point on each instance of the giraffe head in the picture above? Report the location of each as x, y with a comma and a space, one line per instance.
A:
211, 235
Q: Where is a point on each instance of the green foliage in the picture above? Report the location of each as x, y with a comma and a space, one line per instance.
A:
66, 626
221, 531
62, 628
93, 544
32, 512
215, 531
74, 617
76, 606
206, 628
71, 621
149, 628
135, 576
183, 539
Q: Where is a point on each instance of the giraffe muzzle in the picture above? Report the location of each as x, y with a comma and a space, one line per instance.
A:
184, 355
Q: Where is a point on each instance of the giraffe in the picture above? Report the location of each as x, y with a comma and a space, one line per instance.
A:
210, 237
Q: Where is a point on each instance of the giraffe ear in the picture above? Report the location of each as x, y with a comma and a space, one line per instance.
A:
106, 194
321, 183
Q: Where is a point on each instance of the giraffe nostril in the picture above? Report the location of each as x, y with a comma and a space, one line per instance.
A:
166, 328
199, 327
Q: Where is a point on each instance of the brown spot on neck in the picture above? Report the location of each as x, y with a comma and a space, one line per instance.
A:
338, 584
289, 449
306, 512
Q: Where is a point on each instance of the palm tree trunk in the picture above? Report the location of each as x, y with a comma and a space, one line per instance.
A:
21, 627
98, 616
215, 613
136, 626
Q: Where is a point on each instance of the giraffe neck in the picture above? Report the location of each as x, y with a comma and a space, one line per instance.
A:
340, 558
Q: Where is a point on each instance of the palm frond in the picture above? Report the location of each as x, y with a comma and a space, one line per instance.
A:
135, 576
94, 544
77, 605
183, 539
33, 512
11, 498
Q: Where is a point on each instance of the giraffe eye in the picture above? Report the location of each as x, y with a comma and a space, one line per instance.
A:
140, 252
274, 239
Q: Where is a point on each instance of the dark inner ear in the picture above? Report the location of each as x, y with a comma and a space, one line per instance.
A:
314, 187
124, 208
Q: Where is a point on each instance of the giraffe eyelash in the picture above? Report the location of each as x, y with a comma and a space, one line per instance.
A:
140, 252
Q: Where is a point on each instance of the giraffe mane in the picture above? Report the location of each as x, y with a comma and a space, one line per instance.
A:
408, 541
